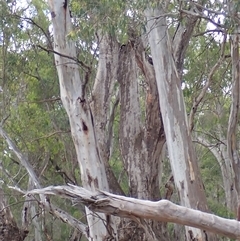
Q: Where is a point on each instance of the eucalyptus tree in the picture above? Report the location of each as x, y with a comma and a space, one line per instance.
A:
108, 80
31, 112
220, 96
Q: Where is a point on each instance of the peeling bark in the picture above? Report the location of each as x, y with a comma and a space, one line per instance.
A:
141, 142
130, 133
153, 131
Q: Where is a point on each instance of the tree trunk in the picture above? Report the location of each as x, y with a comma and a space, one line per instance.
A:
232, 145
141, 142
180, 148
105, 100
72, 90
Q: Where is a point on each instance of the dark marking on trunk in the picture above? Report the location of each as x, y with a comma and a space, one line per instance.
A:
96, 183
25, 215
84, 127
182, 184
92, 180
81, 101
65, 4
238, 213
206, 236
89, 177
65, 14
53, 15
191, 235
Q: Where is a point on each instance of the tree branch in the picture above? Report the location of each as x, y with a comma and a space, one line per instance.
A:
138, 210
58, 213
205, 88
65, 56
44, 201
21, 157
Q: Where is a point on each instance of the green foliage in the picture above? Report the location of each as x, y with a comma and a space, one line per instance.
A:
38, 124
30, 103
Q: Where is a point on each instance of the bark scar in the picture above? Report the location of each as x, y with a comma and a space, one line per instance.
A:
53, 15
65, 4
84, 127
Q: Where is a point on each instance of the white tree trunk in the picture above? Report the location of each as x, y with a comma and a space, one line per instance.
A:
72, 88
181, 152
232, 143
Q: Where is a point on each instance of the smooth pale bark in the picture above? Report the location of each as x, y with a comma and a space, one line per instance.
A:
180, 148
228, 179
232, 143
23, 160
180, 43
75, 102
138, 210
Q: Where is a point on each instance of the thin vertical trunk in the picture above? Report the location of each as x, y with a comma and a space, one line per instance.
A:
29, 213
232, 144
180, 148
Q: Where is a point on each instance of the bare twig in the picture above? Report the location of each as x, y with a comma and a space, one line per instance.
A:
208, 31
65, 56
21, 157
199, 98
209, 10
51, 134
31, 21
42, 101
65, 217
